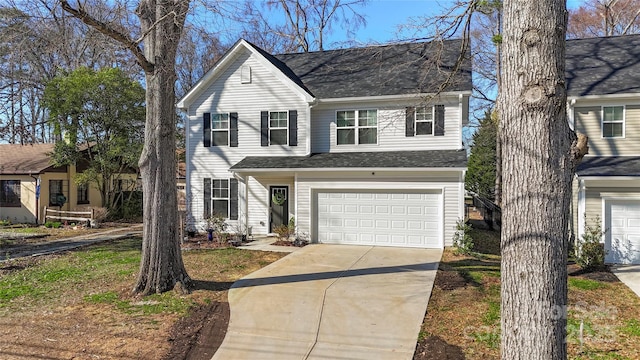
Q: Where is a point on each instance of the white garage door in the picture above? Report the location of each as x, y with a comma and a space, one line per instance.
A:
379, 218
623, 237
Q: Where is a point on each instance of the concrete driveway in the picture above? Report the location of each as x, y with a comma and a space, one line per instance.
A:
629, 275
332, 302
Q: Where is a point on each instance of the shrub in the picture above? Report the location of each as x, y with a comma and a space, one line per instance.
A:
285, 232
590, 253
53, 224
462, 240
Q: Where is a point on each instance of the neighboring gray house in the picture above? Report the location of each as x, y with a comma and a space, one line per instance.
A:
360, 146
603, 82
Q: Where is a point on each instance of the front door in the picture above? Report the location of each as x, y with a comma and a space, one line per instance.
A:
279, 206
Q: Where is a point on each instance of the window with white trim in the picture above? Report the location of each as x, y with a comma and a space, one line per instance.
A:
424, 121
220, 129
612, 121
278, 127
364, 130
220, 197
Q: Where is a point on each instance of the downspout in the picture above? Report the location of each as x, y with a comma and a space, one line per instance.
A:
308, 136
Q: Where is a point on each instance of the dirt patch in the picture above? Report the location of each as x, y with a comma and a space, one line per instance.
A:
199, 335
604, 275
436, 348
450, 280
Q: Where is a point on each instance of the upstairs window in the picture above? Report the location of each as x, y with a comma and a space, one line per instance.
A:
278, 127
219, 129
424, 121
357, 125
10, 193
612, 121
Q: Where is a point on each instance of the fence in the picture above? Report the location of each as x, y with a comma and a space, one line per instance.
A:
77, 216
491, 213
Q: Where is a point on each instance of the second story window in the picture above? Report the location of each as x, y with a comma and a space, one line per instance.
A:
220, 129
278, 127
424, 121
612, 121
357, 127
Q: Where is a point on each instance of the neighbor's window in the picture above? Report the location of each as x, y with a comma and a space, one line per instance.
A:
10, 193
220, 129
278, 127
612, 121
83, 194
56, 193
424, 121
365, 129
220, 198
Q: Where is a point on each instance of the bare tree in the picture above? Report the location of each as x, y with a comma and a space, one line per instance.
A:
307, 22
161, 25
604, 18
539, 156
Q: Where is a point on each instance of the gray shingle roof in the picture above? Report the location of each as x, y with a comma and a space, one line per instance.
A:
606, 65
400, 69
609, 166
392, 159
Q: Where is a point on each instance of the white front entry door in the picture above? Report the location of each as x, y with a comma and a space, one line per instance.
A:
382, 218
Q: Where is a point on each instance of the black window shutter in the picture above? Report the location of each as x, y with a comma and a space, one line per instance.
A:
264, 128
233, 199
439, 123
206, 132
207, 198
293, 128
410, 123
233, 129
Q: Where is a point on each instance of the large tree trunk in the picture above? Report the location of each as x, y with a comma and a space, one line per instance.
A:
537, 168
161, 268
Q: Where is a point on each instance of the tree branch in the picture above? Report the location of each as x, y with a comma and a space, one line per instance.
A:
105, 29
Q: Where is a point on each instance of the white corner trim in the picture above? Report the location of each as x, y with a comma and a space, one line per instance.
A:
581, 209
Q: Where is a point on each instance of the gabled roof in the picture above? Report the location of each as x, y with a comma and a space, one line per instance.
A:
24, 159
400, 69
358, 160
603, 66
609, 166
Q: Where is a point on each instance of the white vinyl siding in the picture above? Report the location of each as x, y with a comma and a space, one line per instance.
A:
391, 133
588, 121
226, 93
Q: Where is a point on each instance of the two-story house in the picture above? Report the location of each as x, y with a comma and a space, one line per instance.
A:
603, 83
359, 146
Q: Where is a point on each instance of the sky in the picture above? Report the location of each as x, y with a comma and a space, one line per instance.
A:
384, 16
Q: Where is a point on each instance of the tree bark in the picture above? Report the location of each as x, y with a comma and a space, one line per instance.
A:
537, 169
161, 267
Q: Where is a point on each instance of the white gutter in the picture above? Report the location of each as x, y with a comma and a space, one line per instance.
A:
388, 97
394, 169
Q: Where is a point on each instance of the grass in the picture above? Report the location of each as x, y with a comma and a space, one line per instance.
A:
80, 303
602, 316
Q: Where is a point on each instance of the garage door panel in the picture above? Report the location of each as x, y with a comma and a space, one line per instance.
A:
623, 237
379, 218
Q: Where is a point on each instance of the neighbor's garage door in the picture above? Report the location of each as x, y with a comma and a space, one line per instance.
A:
379, 218
623, 236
